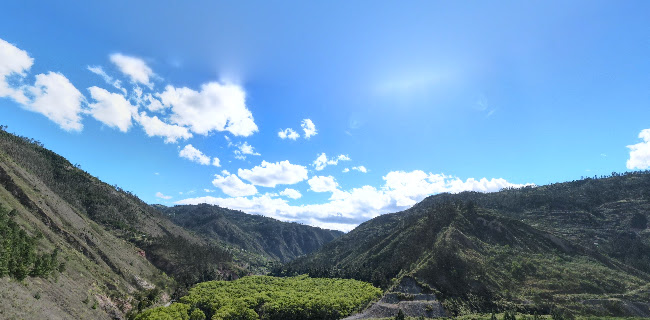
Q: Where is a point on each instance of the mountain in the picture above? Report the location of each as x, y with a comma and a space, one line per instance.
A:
581, 246
74, 247
270, 238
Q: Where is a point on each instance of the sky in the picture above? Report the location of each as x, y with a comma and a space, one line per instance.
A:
329, 113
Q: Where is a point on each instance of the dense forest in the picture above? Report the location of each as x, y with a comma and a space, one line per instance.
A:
270, 298
19, 257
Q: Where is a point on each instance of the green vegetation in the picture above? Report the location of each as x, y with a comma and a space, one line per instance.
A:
269, 238
227, 240
581, 246
263, 297
18, 256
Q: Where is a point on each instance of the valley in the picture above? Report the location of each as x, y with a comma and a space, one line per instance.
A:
95, 251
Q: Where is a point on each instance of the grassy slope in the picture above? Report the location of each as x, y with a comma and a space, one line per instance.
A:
101, 229
528, 249
270, 238
100, 268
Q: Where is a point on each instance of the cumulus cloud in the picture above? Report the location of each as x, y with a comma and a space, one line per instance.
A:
288, 133
271, 174
195, 155
220, 107
231, 185
51, 95
156, 127
640, 152
162, 196
407, 188
322, 161
323, 184
309, 127
243, 149
216, 162
346, 170
347, 209
291, 193
360, 169
13, 61
135, 68
111, 109
56, 98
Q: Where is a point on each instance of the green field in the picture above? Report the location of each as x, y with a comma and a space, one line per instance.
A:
264, 297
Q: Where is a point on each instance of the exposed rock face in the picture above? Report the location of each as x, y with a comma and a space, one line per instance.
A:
408, 296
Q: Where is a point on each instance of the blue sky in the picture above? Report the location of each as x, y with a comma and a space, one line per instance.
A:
403, 99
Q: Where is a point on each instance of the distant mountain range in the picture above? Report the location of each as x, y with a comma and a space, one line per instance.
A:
94, 251
582, 246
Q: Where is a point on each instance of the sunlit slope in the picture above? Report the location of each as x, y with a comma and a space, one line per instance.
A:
533, 248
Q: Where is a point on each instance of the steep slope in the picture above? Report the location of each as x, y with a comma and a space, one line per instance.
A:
179, 252
102, 274
511, 249
270, 238
119, 253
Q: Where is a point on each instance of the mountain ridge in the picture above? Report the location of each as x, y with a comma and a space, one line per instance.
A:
121, 255
485, 252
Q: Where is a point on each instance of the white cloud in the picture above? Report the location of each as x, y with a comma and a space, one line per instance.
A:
134, 68
342, 157
347, 209
112, 109
640, 152
154, 105
309, 128
13, 61
220, 107
291, 193
231, 185
323, 184
271, 174
322, 161
407, 188
162, 196
208, 190
360, 169
117, 84
246, 148
216, 162
194, 155
346, 170
51, 95
156, 127
56, 98
243, 149
288, 133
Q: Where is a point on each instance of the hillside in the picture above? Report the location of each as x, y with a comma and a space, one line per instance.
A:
270, 238
118, 254
581, 245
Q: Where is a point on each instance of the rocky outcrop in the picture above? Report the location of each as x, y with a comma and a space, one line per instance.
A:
409, 296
